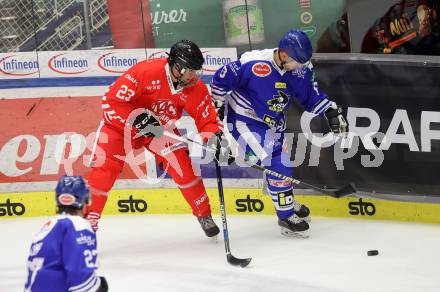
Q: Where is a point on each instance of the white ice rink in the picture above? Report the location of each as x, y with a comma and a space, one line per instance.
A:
170, 253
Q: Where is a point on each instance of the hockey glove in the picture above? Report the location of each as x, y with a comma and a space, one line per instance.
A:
220, 108
336, 121
148, 125
223, 150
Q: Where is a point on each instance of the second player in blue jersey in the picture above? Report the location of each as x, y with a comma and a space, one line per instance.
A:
255, 91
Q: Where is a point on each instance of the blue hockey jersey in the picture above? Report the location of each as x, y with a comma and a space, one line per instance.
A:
260, 90
63, 257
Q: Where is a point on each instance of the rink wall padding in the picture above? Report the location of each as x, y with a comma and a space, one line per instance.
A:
238, 202
45, 135
392, 105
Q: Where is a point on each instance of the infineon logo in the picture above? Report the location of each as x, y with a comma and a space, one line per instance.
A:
111, 62
214, 62
65, 64
13, 66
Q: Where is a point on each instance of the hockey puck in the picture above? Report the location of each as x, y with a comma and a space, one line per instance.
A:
373, 252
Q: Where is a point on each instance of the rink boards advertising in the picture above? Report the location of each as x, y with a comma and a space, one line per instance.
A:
392, 106
45, 135
238, 202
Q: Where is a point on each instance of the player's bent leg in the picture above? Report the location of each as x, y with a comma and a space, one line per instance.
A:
179, 167
278, 187
109, 144
289, 221
195, 194
101, 181
283, 196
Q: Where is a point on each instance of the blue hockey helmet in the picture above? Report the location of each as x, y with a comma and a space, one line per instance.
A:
72, 191
297, 45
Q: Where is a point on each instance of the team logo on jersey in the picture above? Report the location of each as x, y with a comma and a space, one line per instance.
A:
278, 103
261, 69
164, 107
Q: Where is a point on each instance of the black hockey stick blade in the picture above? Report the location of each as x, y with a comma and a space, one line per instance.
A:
237, 262
345, 191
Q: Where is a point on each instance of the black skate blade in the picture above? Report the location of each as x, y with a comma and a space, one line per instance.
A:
237, 262
345, 191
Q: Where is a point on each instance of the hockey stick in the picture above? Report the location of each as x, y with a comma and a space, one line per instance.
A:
338, 193
153, 126
229, 257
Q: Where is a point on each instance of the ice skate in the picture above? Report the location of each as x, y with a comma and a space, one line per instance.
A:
208, 225
293, 226
302, 211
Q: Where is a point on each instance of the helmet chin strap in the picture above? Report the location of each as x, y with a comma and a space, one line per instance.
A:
179, 78
282, 62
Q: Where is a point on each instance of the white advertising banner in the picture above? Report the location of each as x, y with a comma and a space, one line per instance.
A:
94, 63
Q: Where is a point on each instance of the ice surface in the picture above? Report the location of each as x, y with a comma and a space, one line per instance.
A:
170, 253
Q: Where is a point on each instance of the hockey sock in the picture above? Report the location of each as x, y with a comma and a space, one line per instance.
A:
195, 195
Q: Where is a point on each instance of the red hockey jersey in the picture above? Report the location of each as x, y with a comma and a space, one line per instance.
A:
148, 85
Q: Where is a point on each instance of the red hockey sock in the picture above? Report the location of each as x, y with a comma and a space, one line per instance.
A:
195, 195
98, 203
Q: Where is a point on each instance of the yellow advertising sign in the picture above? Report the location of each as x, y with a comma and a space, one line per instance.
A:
238, 202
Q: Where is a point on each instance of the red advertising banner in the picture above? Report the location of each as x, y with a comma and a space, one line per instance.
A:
44, 138
38, 134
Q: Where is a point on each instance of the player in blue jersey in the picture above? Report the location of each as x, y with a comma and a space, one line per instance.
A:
256, 90
63, 253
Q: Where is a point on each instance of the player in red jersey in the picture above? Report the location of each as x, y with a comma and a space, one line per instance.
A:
165, 87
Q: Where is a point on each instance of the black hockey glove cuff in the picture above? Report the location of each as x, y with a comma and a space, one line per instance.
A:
336, 121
